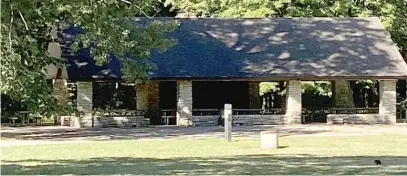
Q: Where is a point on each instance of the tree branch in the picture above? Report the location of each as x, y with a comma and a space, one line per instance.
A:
22, 18
138, 7
11, 23
158, 11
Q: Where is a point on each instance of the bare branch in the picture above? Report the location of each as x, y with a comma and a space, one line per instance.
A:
11, 24
142, 11
158, 11
22, 17
138, 7
125, 1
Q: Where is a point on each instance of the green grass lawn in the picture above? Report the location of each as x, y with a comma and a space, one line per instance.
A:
298, 155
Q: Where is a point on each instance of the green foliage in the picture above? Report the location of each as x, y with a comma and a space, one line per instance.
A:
272, 87
403, 104
367, 84
323, 88
26, 33
268, 87
312, 87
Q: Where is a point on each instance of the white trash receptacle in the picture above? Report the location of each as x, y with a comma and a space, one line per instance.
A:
269, 139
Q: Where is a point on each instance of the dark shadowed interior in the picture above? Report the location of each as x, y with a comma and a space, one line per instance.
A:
208, 94
214, 94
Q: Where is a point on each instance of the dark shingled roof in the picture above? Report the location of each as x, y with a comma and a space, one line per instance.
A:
267, 48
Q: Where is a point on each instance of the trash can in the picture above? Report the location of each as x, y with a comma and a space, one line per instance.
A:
269, 139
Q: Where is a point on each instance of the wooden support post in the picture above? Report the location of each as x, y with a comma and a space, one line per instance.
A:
228, 122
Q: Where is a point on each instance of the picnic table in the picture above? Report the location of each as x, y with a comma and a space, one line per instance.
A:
24, 115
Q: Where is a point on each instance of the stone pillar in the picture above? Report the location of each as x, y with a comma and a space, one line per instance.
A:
142, 97
153, 102
254, 95
293, 102
343, 95
148, 100
60, 87
184, 103
387, 103
85, 102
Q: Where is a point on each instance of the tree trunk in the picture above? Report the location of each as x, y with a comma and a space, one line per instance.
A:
343, 94
282, 87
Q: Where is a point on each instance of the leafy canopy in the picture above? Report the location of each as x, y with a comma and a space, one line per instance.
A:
26, 32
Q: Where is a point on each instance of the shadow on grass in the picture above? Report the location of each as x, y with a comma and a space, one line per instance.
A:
244, 164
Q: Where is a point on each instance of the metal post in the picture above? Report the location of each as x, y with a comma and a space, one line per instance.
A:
228, 122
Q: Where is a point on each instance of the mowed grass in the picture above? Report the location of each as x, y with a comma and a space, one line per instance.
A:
297, 155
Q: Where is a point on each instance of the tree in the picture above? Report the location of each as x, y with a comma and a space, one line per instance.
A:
26, 28
391, 12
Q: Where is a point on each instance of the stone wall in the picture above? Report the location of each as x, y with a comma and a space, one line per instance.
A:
184, 103
78, 122
85, 103
60, 90
387, 103
254, 96
148, 99
293, 102
212, 120
85, 97
153, 90
153, 102
208, 120
142, 96
95, 122
258, 119
357, 119
125, 121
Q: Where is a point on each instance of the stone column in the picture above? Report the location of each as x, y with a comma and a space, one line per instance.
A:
293, 102
85, 102
153, 102
184, 103
142, 97
60, 87
254, 95
148, 100
387, 103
